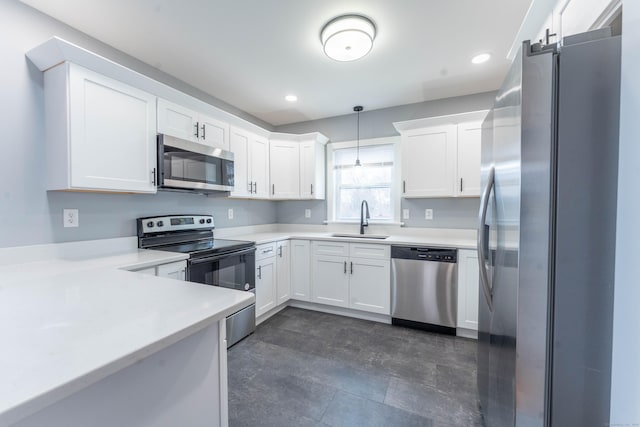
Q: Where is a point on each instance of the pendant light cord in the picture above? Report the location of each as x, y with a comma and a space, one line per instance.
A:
357, 109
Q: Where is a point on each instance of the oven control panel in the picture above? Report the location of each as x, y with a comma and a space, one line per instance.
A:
160, 224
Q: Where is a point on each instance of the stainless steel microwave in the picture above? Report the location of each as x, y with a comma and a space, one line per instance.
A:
187, 165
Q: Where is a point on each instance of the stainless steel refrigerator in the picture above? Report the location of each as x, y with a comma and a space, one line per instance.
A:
546, 237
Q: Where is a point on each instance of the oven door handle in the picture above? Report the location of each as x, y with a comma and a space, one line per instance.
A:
221, 256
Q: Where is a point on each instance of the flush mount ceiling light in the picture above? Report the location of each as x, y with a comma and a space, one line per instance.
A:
291, 98
348, 37
479, 59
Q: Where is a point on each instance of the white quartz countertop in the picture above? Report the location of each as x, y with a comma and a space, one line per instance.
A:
70, 320
437, 241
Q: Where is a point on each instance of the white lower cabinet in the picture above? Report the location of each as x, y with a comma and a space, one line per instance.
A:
368, 288
330, 280
300, 270
360, 283
283, 272
265, 284
468, 289
172, 270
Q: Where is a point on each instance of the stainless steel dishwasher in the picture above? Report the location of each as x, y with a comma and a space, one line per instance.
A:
424, 291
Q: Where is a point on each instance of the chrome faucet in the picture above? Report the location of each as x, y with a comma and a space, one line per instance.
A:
364, 220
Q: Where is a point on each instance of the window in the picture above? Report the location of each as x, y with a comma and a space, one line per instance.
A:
373, 182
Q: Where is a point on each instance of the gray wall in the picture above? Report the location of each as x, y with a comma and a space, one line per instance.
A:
448, 212
31, 215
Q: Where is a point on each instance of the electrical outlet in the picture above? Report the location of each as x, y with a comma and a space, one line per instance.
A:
307, 213
70, 218
428, 214
230, 213
405, 213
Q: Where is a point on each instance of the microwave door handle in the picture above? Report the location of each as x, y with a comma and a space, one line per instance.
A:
482, 219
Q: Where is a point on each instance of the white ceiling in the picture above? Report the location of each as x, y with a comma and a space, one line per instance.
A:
251, 53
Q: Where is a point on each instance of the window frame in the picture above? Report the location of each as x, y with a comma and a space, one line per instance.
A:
395, 180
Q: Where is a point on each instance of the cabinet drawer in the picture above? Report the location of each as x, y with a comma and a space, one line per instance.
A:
368, 250
330, 248
265, 250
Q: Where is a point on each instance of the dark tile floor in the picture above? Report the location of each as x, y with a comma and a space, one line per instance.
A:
306, 368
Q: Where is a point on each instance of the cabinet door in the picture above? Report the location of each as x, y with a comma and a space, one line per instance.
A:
265, 285
214, 133
468, 171
468, 287
330, 280
259, 166
112, 134
370, 285
173, 270
312, 166
429, 162
283, 271
300, 274
176, 120
239, 146
285, 169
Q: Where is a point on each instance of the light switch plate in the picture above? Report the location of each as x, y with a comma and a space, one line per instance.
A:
428, 214
70, 218
405, 213
307, 213
230, 213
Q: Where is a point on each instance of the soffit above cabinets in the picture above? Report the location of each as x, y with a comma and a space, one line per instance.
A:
252, 53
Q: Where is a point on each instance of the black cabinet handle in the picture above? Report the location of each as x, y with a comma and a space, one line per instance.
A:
345, 267
404, 187
273, 189
312, 189
153, 176
351, 267
259, 272
255, 187
197, 134
203, 132
461, 185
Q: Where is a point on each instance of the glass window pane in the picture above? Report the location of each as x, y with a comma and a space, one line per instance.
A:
350, 199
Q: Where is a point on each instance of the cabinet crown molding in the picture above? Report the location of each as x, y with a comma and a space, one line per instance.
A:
452, 119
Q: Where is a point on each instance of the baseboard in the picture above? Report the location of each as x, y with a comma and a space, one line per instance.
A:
381, 318
467, 333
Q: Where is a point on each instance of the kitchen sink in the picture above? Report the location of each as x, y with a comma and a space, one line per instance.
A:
360, 236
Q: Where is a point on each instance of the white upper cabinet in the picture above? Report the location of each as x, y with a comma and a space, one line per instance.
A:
250, 163
101, 133
259, 166
312, 170
441, 155
468, 170
285, 169
182, 122
428, 162
297, 166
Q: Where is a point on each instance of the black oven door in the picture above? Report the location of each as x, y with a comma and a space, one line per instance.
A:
187, 165
233, 270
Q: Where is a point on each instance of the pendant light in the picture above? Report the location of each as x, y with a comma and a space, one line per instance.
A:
357, 109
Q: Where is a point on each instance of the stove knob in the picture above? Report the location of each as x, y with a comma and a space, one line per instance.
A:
208, 220
160, 223
150, 224
246, 286
202, 221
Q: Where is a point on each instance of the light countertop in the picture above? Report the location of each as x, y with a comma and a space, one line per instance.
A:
70, 320
437, 241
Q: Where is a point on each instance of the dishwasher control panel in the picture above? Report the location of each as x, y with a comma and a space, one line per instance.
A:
420, 253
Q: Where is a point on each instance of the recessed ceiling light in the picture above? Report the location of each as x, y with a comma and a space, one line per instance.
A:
291, 98
479, 59
348, 37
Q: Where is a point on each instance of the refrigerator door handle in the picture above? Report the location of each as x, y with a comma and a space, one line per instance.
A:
482, 218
